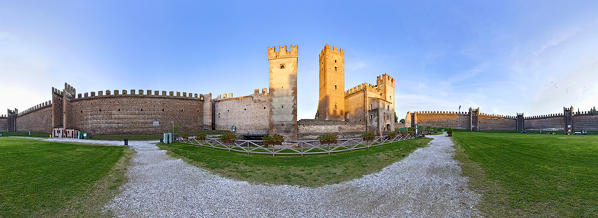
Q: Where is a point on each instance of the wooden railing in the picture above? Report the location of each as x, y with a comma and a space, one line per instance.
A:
299, 147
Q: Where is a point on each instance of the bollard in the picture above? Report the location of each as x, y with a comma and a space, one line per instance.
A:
126, 142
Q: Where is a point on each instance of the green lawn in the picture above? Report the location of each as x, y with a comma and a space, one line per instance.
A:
309, 170
40, 178
28, 134
530, 174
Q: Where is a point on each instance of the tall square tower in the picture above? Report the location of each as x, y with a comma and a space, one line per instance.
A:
283, 91
331, 104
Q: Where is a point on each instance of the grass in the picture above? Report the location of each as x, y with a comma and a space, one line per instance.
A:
33, 134
309, 170
41, 178
531, 175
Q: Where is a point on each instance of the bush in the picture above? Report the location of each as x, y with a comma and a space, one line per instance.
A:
328, 138
411, 130
273, 139
185, 135
228, 137
368, 136
200, 136
392, 134
450, 132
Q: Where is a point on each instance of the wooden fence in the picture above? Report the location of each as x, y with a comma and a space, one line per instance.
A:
299, 147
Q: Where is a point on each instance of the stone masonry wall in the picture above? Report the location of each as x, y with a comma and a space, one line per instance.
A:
585, 122
39, 120
556, 122
135, 114
488, 123
3, 124
443, 119
249, 114
311, 129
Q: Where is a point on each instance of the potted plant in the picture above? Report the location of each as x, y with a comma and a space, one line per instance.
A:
328, 139
228, 137
273, 139
450, 132
368, 136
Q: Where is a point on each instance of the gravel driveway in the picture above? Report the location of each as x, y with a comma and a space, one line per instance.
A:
426, 183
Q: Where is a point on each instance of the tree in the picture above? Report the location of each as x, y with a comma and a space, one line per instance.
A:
402, 121
396, 118
593, 110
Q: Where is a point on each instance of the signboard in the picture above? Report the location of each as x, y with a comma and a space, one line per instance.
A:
233, 128
156, 123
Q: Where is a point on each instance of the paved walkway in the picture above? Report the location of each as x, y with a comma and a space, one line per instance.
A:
426, 183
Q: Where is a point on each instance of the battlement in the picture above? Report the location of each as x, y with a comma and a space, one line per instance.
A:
384, 77
42, 105
70, 90
140, 93
362, 87
283, 52
544, 116
439, 112
56, 91
496, 116
334, 50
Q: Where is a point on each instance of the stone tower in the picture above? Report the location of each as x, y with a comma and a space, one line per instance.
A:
283, 91
331, 104
386, 85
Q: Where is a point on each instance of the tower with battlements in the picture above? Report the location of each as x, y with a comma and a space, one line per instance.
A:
283, 91
331, 104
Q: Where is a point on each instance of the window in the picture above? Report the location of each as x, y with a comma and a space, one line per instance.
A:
334, 68
370, 106
334, 106
282, 66
371, 116
387, 107
334, 86
334, 61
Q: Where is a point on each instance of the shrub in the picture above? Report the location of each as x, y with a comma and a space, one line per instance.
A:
392, 134
368, 136
228, 137
273, 139
411, 130
200, 136
185, 135
450, 132
328, 138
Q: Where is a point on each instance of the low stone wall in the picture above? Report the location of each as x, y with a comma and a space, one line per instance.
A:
39, 120
311, 129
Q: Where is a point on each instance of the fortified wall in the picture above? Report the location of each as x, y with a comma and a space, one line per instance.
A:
3, 123
568, 121
312, 128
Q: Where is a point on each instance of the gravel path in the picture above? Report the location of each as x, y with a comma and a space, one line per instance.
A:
426, 183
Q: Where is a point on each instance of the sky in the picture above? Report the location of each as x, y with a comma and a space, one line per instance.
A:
504, 57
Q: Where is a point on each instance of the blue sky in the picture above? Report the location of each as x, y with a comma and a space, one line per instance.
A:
502, 56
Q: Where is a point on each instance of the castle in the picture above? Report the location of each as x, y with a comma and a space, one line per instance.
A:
272, 110
370, 105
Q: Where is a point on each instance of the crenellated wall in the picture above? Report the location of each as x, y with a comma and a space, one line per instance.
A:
577, 121
136, 112
36, 119
249, 114
3, 123
586, 121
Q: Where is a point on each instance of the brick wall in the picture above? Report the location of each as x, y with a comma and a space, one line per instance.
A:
585, 122
311, 129
39, 120
497, 124
3, 124
443, 120
249, 114
556, 122
130, 114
